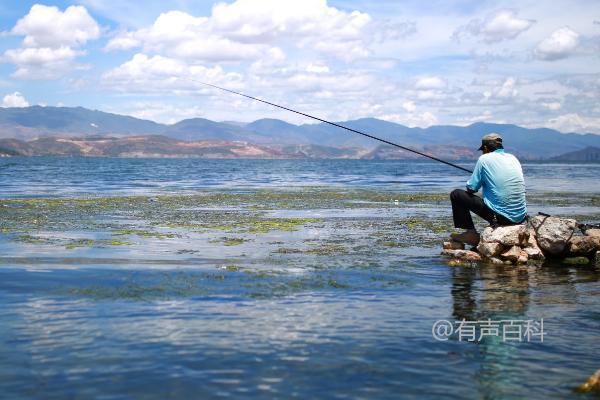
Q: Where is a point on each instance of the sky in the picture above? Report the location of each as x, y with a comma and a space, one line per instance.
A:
451, 62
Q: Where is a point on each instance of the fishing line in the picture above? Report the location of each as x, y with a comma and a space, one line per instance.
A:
334, 124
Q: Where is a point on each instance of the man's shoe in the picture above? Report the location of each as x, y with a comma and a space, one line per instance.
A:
467, 237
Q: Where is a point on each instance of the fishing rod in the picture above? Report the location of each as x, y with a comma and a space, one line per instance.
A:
335, 124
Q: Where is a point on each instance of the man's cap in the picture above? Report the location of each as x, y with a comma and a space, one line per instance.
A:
492, 138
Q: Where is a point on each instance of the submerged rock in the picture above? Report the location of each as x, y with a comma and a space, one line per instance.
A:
576, 260
506, 235
553, 233
592, 384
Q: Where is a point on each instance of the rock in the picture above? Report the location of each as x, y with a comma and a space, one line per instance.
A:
455, 262
553, 233
511, 254
592, 384
495, 260
523, 257
506, 235
579, 245
534, 253
466, 255
576, 260
453, 245
531, 240
489, 249
593, 232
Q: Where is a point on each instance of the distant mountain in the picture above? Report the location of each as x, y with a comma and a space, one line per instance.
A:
161, 146
445, 141
36, 121
589, 154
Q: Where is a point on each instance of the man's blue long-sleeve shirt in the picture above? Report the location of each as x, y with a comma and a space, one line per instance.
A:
500, 176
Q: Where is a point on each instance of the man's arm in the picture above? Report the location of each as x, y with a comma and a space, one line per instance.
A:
474, 183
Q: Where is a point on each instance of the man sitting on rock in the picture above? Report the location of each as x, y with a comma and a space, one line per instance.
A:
500, 176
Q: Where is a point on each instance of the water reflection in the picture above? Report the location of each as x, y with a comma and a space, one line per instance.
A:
551, 291
490, 291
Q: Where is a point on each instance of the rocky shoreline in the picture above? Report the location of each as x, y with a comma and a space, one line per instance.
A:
540, 238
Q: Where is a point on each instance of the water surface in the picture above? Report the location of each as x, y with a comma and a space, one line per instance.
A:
135, 278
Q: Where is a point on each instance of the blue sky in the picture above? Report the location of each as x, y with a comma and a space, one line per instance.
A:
443, 62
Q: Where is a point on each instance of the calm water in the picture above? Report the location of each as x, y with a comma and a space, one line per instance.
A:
43, 176
165, 317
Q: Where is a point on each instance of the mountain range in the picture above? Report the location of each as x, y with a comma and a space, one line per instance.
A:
40, 130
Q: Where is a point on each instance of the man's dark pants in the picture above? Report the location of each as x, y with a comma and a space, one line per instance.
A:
464, 202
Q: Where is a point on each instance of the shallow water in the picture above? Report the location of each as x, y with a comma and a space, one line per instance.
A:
191, 279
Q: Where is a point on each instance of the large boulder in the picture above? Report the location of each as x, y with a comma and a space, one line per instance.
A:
553, 233
513, 235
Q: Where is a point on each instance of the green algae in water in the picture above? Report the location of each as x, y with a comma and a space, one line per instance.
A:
281, 224
142, 233
95, 243
576, 261
233, 242
80, 243
327, 249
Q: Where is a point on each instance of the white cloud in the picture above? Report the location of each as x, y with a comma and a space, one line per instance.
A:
157, 74
421, 120
41, 63
468, 120
47, 26
15, 99
409, 106
429, 88
574, 122
561, 44
500, 91
317, 68
553, 106
51, 38
507, 89
123, 41
430, 82
495, 27
247, 29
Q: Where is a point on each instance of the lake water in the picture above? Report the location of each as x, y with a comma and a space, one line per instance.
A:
181, 278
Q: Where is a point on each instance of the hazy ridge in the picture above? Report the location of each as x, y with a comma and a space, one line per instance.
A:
36, 130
